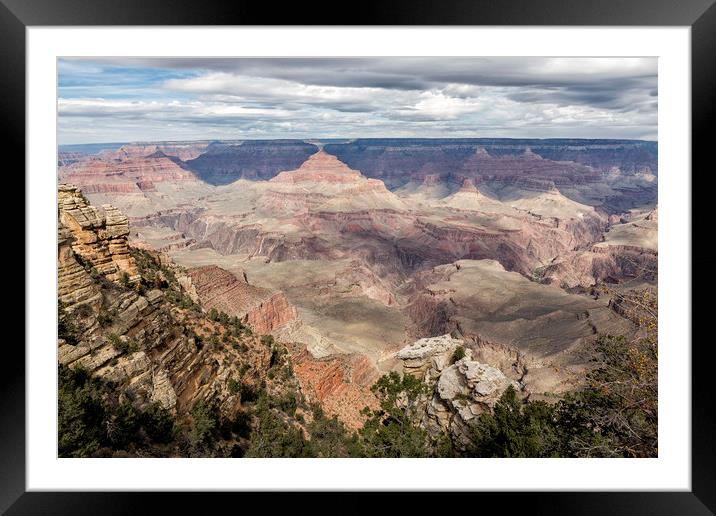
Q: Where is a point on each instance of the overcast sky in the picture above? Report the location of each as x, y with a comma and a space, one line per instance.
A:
145, 99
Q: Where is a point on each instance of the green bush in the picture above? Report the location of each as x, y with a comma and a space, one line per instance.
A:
234, 386
159, 423
205, 420
515, 429
88, 420
249, 393
393, 430
66, 326
458, 354
81, 413
105, 317
274, 437
119, 344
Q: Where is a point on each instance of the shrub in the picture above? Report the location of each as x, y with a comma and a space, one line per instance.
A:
242, 424
205, 420
329, 437
84, 311
119, 344
81, 413
234, 386
287, 403
105, 317
516, 430
458, 354
272, 437
393, 429
66, 326
248, 393
159, 423
122, 426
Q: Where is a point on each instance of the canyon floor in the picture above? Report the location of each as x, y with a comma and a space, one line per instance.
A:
512, 247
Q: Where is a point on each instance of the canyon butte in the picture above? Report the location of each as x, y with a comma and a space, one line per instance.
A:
360, 257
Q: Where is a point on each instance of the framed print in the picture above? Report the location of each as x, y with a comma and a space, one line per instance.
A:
418, 253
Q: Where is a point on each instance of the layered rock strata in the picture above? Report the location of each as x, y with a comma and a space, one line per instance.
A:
99, 236
263, 310
340, 383
151, 347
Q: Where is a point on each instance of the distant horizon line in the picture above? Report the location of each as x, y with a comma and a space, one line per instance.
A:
348, 139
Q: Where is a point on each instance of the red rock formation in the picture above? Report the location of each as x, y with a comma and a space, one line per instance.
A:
321, 167
324, 183
468, 186
340, 383
130, 176
263, 310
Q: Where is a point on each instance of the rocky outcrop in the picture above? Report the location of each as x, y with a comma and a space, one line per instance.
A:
74, 284
143, 335
460, 388
610, 264
628, 250
263, 310
99, 236
143, 348
426, 357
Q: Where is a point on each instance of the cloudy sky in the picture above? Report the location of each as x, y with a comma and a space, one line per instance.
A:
144, 99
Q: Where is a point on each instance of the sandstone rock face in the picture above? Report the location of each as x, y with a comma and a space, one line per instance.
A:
465, 390
74, 284
99, 236
153, 350
263, 310
459, 391
430, 354
340, 383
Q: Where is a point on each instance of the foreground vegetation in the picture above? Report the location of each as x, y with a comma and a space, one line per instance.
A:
613, 415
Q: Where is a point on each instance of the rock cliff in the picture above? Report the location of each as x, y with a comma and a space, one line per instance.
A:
263, 310
459, 387
142, 333
99, 236
340, 383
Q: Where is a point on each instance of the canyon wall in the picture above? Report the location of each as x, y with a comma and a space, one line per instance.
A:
222, 164
99, 236
263, 310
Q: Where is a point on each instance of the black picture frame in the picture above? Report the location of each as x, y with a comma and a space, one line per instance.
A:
700, 15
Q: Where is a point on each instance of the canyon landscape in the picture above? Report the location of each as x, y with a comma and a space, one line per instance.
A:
368, 296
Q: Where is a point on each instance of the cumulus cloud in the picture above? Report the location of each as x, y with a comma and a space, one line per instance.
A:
176, 98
